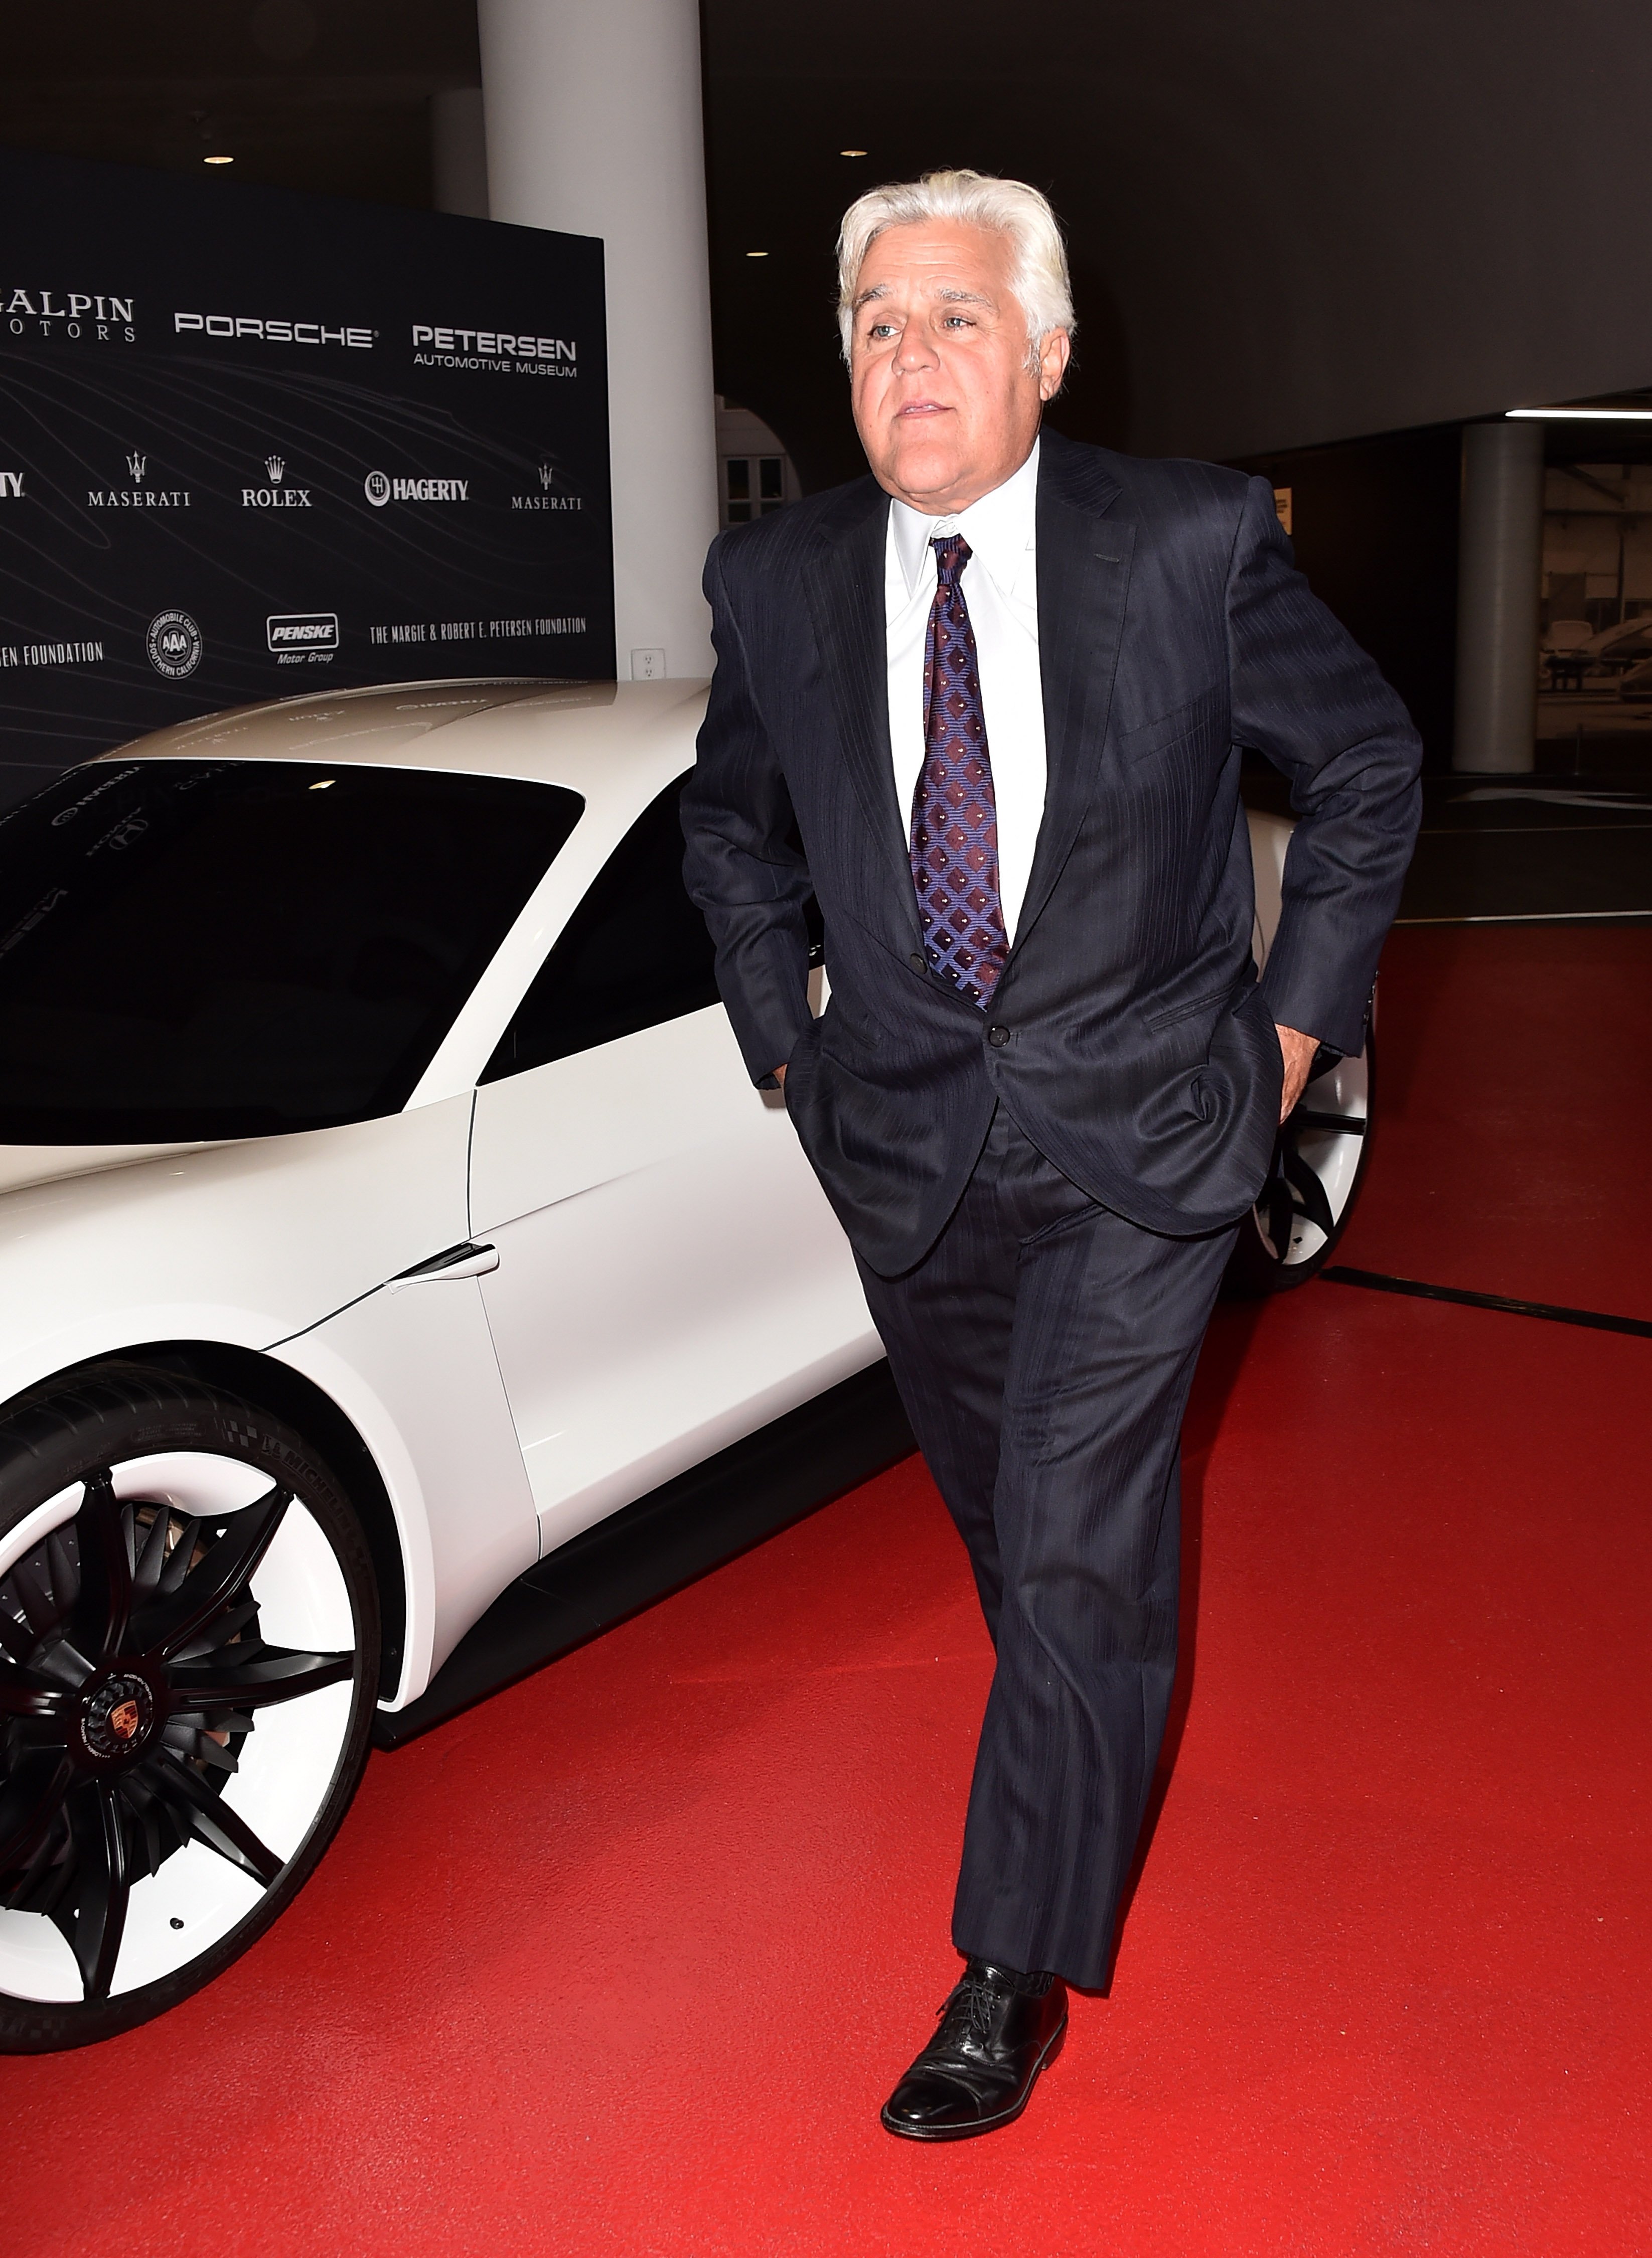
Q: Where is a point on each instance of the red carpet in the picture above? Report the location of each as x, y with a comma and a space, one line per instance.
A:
625, 1960
1515, 1096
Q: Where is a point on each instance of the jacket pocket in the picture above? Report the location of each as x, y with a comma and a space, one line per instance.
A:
1194, 718
842, 1027
1179, 1012
804, 1053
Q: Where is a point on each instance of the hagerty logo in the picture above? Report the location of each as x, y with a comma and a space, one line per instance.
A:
139, 496
275, 495
175, 644
79, 314
295, 636
378, 489
10, 485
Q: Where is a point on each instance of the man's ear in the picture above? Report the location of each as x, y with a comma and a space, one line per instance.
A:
1055, 351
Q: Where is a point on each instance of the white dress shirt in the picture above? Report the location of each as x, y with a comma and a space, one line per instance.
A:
1000, 584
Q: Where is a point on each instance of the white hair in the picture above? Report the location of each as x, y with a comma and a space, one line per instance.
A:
1039, 273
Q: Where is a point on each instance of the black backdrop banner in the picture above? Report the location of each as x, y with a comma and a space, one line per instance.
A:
254, 443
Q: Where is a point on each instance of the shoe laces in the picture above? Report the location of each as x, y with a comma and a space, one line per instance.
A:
970, 2005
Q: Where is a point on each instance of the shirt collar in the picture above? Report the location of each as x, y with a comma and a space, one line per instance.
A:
1000, 529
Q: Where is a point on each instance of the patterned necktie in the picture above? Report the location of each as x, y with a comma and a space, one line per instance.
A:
955, 810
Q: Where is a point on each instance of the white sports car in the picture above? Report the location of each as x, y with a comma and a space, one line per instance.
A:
353, 1260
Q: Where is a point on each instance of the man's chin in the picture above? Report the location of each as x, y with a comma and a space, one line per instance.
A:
926, 474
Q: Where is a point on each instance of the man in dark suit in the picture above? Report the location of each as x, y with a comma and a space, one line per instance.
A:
988, 706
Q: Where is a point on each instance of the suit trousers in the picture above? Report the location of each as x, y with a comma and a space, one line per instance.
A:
1044, 1350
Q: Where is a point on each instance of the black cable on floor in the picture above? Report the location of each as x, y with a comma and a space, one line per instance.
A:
1379, 1283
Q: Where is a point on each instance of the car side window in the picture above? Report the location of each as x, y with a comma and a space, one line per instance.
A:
635, 954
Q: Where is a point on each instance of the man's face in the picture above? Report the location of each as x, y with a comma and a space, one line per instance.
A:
945, 402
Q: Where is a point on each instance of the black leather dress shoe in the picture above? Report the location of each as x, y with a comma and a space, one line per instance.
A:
979, 2070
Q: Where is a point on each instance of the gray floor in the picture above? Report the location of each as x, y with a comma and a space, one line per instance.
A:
1514, 848
1549, 848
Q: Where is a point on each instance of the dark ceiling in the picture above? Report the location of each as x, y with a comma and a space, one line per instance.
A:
327, 95
1290, 222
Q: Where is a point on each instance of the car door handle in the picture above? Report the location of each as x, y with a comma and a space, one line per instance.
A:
465, 1260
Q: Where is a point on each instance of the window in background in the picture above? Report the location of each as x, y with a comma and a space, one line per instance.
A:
754, 473
1596, 619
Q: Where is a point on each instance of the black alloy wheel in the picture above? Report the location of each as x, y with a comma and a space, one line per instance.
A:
1319, 1164
188, 1668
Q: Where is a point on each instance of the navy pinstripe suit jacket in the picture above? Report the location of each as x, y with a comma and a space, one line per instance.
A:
1127, 1038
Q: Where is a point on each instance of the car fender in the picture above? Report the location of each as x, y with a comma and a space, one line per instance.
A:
415, 1373
321, 1360
248, 1243
123, 1331
415, 1379
262, 1247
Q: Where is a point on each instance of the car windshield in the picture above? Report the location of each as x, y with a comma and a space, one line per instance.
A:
234, 948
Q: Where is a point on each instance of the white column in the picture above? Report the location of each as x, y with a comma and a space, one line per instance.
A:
1500, 577
458, 152
594, 126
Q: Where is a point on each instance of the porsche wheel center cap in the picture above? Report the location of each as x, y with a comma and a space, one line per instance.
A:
119, 1716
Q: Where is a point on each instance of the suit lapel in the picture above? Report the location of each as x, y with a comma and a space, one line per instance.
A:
845, 583
1084, 559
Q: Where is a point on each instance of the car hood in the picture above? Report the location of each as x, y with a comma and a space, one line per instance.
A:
386, 724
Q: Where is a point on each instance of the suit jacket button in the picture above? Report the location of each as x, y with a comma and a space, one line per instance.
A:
916, 959
997, 1037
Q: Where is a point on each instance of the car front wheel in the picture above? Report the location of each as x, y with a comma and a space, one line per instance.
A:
189, 1666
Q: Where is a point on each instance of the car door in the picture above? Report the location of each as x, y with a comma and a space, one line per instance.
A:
671, 1275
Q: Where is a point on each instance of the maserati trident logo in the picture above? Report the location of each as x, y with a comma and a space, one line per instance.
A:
545, 499
138, 495
275, 465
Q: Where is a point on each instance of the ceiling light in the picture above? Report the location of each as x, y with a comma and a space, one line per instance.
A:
851, 152
757, 255
1584, 415
218, 161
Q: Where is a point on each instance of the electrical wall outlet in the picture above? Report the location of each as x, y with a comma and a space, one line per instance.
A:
648, 666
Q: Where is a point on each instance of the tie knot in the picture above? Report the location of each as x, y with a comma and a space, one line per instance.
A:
951, 557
